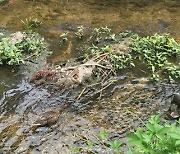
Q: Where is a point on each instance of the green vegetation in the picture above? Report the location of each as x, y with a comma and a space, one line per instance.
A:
24, 48
2, 1
156, 52
100, 140
10, 53
155, 138
80, 32
64, 36
30, 23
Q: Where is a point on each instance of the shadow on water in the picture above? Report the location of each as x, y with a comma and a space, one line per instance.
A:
21, 102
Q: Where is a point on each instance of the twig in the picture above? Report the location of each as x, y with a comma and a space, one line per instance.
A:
106, 86
136, 116
82, 92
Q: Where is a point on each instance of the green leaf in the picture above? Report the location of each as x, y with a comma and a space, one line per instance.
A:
150, 127
115, 144
75, 149
175, 135
103, 134
160, 134
133, 139
177, 142
90, 143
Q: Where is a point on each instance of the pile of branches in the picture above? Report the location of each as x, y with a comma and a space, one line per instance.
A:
96, 71
63, 77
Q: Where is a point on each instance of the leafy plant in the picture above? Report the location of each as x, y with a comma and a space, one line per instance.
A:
80, 32
32, 43
172, 72
156, 52
9, 53
156, 138
31, 23
115, 145
14, 53
103, 134
64, 36
101, 34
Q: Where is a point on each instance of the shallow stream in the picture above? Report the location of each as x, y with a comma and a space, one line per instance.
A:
21, 102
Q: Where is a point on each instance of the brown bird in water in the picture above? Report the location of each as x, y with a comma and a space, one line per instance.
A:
48, 118
176, 99
175, 106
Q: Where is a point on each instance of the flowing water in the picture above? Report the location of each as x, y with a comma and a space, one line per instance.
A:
21, 102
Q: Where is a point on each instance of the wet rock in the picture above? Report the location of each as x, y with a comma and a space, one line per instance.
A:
121, 49
15, 37
34, 142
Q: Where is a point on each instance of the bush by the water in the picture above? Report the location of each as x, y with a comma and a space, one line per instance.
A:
14, 50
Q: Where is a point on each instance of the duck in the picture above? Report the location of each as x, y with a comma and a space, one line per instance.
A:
48, 118
176, 99
175, 106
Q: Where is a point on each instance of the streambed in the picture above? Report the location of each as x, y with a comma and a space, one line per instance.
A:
21, 102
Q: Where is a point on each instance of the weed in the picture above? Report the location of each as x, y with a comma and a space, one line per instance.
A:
115, 145
9, 53
30, 23
14, 53
155, 52
80, 32
64, 36
101, 140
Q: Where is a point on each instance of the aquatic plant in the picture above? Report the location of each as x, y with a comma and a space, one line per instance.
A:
156, 52
64, 36
10, 53
80, 32
14, 51
31, 23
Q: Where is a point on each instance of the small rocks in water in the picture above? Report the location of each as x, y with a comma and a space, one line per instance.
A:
15, 37
48, 117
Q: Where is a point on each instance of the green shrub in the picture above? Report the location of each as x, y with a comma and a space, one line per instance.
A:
14, 53
156, 52
156, 138
10, 53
